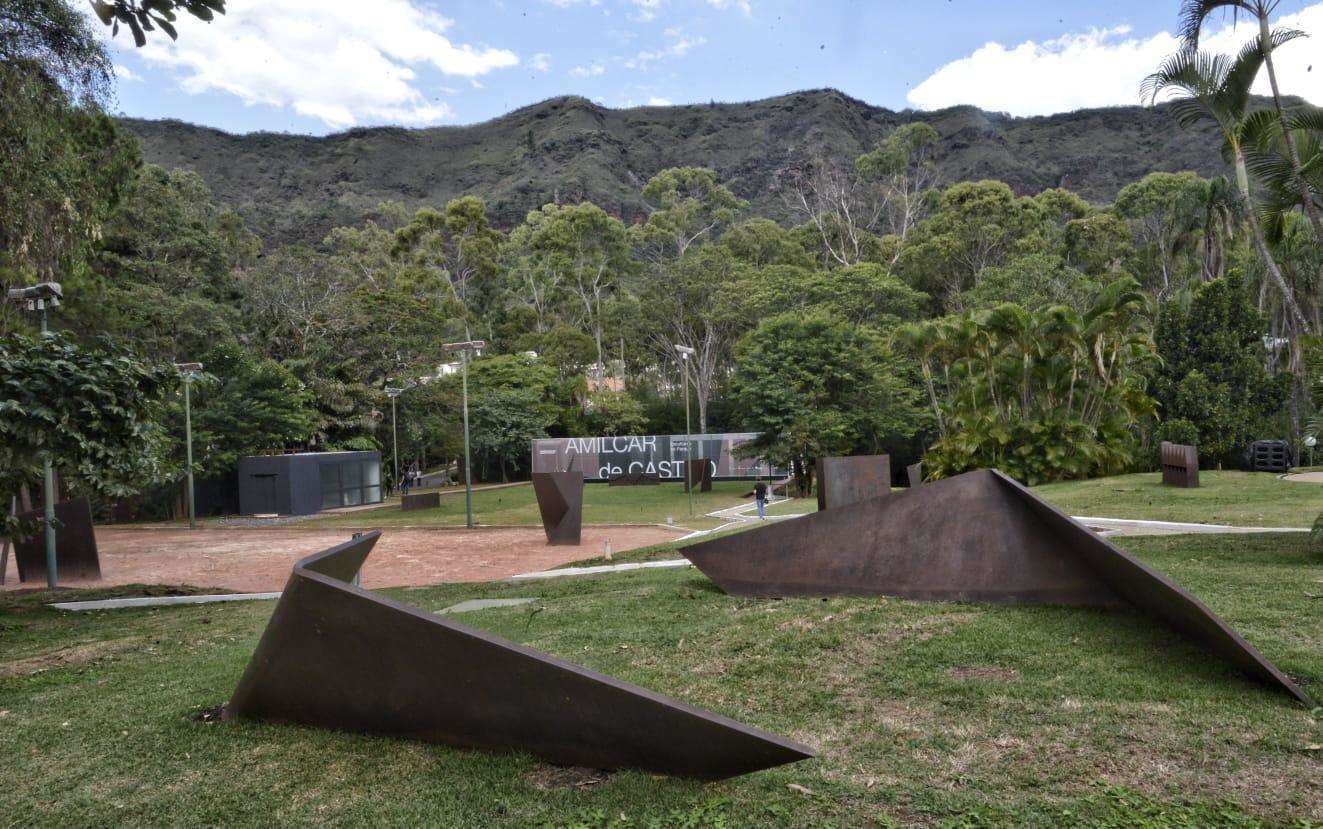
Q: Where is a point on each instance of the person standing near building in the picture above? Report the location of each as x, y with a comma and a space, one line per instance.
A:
760, 495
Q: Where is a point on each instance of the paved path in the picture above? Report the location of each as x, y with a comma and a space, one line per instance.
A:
1305, 477
1130, 526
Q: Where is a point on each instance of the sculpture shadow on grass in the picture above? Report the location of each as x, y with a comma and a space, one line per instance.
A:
978, 537
336, 656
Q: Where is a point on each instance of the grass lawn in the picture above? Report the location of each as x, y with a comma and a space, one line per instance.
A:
936, 714
1241, 498
602, 504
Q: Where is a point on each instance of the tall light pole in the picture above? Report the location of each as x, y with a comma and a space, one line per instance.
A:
685, 353
465, 350
41, 298
394, 392
189, 372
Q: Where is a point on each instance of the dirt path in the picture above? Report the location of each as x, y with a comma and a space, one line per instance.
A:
255, 560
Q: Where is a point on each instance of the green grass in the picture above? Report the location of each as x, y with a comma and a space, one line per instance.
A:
935, 714
1241, 498
602, 504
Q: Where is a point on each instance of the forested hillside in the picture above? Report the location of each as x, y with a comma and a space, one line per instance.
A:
297, 187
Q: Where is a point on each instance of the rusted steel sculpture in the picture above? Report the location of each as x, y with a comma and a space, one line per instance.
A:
1180, 465
698, 472
981, 537
560, 500
75, 545
914, 472
337, 656
423, 500
844, 481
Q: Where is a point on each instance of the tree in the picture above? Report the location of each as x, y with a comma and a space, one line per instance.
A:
1042, 395
1217, 88
1212, 373
686, 206
511, 403
1034, 281
813, 384
94, 411
904, 165
1165, 211
143, 16
1195, 13
456, 252
763, 242
862, 294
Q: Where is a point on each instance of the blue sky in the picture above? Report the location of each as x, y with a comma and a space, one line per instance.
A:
318, 66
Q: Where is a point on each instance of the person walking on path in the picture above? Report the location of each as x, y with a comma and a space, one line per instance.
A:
760, 495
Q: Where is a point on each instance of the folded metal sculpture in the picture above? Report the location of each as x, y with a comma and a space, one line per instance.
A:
980, 536
75, 545
337, 656
914, 472
844, 481
1180, 465
698, 472
560, 500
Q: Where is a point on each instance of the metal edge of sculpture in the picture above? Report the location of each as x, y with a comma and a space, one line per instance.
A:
1180, 465
847, 480
336, 656
75, 544
981, 537
560, 502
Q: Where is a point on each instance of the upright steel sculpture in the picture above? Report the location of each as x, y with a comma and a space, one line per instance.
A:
75, 539
421, 500
1180, 465
560, 500
980, 537
337, 656
844, 481
914, 473
698, 473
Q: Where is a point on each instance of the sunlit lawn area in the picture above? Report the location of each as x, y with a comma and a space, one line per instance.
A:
603, 504
955, 714
1252, 499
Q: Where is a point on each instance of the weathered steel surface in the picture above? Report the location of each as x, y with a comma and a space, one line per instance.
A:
976, 537
75, 545
914, 472
698, 471
844, 481
337, 656
423, 500
560, 500
1180, 465
636, 478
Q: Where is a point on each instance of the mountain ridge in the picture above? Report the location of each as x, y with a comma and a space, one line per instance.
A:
293, 187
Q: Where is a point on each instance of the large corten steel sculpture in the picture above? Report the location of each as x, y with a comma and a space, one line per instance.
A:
75, 545
560, 500
844, 481
698, 472
980, 536
337, 656
1180, 465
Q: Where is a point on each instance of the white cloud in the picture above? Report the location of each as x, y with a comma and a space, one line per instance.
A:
325, 59
591, 71
655, 101
124, 73
1102, 67
743, 5
678, 49
647, 9
541, 62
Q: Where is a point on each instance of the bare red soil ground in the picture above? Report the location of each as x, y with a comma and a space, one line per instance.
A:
259, 560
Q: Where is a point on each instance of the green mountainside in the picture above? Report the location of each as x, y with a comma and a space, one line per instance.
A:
296, 187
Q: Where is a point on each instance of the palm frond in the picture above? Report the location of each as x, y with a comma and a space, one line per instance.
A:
1194, 13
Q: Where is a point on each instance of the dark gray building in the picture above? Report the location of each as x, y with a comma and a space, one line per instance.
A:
308, 482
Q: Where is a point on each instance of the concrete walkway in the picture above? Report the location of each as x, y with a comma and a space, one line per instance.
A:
163, 601
1132, 526
1305, 477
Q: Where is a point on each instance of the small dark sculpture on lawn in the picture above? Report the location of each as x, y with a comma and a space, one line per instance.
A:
560, 500
75, 545
1180, 465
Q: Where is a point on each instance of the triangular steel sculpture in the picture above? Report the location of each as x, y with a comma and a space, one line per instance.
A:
560, 501
336, 656
978, 537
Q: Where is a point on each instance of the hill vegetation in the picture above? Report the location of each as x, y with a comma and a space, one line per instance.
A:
568, 149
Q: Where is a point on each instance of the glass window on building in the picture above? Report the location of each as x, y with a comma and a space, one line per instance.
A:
350, 483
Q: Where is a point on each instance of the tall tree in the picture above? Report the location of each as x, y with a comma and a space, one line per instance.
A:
456, 251
687, 205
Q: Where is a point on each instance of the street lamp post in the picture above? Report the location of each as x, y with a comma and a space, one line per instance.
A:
189, 371
394, 392
685, 353
41, 298
465, 350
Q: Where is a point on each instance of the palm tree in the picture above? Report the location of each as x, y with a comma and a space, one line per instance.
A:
1217, 88
1194, 13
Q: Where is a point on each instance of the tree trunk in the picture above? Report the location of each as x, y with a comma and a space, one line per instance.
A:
1265, 41
1261, 244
